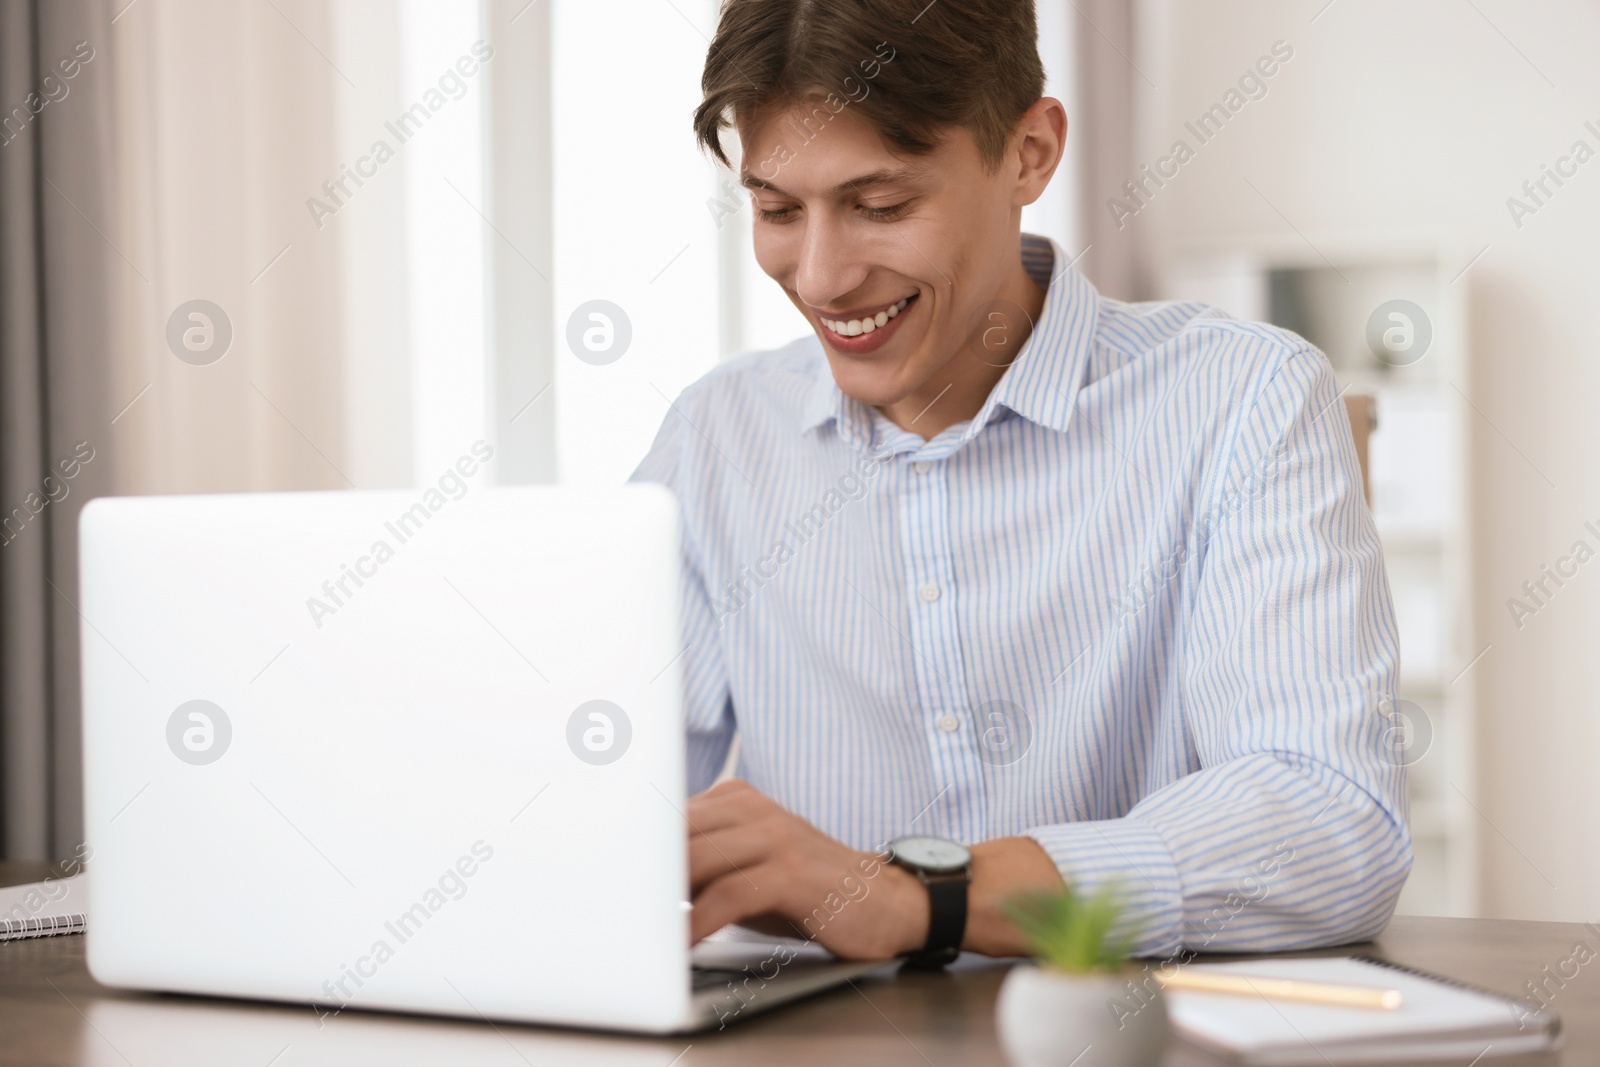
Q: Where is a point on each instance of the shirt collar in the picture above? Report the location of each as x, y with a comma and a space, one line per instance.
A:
1042, 382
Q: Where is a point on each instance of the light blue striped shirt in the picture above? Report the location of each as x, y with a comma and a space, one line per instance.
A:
1135, 609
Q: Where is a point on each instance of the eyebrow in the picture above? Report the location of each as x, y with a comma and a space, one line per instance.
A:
864, 181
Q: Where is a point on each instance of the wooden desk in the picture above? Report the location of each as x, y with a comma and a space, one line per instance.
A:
53, 1013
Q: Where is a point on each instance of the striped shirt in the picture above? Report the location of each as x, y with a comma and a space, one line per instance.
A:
1135, 609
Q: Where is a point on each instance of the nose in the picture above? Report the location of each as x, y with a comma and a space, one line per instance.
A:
829, 266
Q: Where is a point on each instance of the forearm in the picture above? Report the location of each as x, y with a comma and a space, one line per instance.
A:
1001, 870
1260, 854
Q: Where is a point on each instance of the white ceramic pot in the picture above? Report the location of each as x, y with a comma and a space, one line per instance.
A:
1048, 1018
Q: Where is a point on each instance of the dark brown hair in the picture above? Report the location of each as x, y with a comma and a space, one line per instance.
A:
914, 69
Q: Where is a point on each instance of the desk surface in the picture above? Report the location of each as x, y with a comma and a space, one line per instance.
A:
53, 1013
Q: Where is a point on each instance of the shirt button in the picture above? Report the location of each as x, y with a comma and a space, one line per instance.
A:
949, 724
930, 593
922, 467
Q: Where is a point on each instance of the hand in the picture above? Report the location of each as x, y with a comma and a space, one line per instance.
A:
754, 863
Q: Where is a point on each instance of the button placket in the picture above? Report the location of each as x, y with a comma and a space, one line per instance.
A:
935, 634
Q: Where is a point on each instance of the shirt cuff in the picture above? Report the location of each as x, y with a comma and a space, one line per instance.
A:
1130, 855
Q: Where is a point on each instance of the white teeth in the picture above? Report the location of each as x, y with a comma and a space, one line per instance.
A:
856, 327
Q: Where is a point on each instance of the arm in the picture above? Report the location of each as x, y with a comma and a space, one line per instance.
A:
1293, 832
753, 862
708, 706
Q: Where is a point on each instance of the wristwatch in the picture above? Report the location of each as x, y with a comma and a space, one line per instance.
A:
944, 867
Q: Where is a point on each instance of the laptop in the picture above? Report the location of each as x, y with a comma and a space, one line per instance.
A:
413, 750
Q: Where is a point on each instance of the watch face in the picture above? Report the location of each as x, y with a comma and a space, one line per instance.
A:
935, 854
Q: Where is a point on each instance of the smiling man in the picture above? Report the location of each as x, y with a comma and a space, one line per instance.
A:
1002, 581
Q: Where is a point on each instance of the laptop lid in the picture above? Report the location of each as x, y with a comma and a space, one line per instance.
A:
405, 750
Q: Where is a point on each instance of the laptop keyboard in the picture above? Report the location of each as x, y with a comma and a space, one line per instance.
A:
713, 978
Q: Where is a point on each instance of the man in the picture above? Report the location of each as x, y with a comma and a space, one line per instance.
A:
1087, 588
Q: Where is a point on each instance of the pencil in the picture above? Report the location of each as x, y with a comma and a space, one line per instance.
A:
1244, 985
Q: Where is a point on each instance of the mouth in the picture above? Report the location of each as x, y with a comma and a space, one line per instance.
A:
866, 330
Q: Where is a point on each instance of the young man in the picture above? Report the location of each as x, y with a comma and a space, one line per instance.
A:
1035, 586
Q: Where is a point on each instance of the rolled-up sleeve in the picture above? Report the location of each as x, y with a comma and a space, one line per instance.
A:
1293, 832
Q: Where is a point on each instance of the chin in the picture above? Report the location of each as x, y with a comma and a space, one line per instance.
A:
875, 386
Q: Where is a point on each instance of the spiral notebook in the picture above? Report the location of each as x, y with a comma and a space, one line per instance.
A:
41, 909
1438, 1018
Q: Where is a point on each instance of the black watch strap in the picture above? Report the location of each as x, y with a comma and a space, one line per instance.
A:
947, 919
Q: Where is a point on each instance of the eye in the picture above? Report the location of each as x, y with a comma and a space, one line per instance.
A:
885, 214
782, 214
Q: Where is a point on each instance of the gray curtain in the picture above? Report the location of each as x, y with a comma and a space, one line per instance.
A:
57, 277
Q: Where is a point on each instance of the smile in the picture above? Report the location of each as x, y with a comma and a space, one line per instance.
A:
867, 323
866, 331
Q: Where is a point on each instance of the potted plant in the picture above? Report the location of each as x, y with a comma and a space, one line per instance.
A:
1081, 1004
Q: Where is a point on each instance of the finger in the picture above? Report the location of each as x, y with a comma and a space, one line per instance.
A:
724, 787
775, 925
713, 855
729, 899
723, 805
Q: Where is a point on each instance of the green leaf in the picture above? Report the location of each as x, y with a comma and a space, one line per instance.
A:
1071, 932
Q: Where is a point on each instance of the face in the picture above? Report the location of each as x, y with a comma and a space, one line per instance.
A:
915, 246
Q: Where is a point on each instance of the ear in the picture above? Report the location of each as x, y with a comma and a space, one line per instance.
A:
1037, 146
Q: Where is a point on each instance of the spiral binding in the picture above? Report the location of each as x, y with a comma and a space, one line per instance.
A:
48, 926
1547, 1018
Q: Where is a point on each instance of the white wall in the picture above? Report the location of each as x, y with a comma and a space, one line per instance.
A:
1421, 119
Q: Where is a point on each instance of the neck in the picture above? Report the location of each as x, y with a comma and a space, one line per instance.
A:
957, 391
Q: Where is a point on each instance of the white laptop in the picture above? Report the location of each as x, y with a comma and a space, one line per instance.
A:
400, 750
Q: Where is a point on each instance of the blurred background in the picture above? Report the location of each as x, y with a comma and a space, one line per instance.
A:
320, 244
